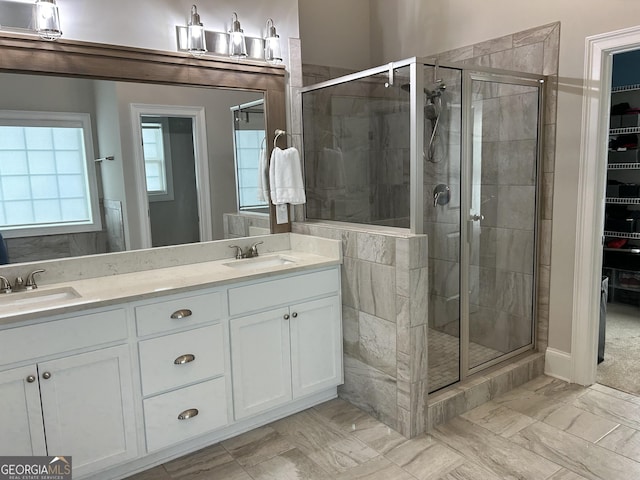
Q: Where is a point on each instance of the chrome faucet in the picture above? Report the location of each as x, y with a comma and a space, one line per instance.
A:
253, 251
5, 286
239, 254
31, 279
250, 252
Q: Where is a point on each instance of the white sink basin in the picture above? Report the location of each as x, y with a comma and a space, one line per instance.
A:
260, 262
38, 296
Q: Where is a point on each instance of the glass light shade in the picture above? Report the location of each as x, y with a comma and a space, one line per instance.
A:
272, 52
272, 49
47, 19
196, 43
237, 44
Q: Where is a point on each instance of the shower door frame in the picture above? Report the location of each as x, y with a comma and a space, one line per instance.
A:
416, 211
469, 74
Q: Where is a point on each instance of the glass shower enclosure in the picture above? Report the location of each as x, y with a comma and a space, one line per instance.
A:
452, 152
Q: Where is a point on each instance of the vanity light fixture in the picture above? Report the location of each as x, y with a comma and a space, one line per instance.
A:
237, 44
272, 44
47, 19
196, 44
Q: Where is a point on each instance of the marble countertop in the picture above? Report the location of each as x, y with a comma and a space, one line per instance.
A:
55, 299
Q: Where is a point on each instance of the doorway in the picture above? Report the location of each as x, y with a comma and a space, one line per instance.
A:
591, 200
172, 174
619, 334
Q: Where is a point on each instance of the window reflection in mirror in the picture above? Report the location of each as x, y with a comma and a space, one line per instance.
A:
249, 147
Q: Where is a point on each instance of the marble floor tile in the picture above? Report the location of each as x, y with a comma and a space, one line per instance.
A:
580, 423
615, 393
380, 437
530, 403
199, 464
156, 473
576, 454
624, 441
344, 415
340, 456
470, 471
425, 458
498, 419
377, 469
499, 455
308, 431
565, 474
612, 408
543, 430
256, 446
291, 465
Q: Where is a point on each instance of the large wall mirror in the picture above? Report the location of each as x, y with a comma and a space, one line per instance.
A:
158, 148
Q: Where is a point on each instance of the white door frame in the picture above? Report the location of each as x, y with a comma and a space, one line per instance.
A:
592, 176
138, 110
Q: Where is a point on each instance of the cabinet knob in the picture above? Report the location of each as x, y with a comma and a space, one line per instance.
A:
31, 379
286, 316
294, 314
182, 313
182, 359
187, 414
46, 375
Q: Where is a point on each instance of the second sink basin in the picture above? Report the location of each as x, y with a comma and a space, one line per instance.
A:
38, 296
256, 263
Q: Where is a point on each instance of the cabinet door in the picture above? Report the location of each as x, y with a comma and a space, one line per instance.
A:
260, 362
316, 346
87, 404
20, 413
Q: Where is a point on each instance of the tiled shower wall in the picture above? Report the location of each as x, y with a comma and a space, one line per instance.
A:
371, 271
384, 315
346, 126
532, 51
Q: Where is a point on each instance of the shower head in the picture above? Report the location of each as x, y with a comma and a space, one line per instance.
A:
430, 94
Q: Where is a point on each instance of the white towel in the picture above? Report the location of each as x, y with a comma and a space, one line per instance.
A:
285, 177
263, 177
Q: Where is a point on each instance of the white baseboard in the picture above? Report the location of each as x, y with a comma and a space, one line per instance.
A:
557, 364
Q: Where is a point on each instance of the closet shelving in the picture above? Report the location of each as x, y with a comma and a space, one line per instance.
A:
622, 265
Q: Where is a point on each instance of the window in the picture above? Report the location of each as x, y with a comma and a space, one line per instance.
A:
249, 133
157, 158
47, 174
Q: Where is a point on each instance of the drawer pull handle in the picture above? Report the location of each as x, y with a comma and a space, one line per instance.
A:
294, 315
187, 414
178, 314
182, 359
46, 375
31, 379
286, 316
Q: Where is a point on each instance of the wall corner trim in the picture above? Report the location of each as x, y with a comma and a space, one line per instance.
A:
558, 364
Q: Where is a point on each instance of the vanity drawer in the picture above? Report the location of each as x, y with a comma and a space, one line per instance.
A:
162, 425
168, 315
57, 336
271, 293
199, 354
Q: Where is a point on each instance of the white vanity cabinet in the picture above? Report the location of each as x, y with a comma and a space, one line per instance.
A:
288, 348
183, 373
80, 405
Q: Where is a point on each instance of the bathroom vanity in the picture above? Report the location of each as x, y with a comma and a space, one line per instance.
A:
126, 371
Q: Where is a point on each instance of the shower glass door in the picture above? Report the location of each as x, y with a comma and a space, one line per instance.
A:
501, 226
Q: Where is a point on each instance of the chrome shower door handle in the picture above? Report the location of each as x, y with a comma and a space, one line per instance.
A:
476, 218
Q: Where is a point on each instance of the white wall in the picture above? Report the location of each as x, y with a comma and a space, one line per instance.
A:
335, 33
405, 28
